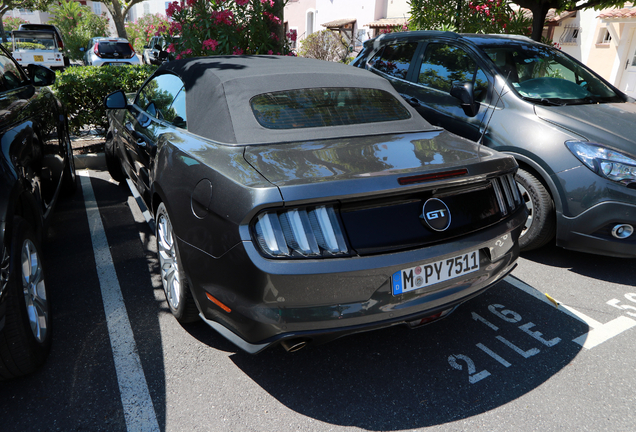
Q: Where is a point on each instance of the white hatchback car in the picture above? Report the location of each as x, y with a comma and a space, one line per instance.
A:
110, 51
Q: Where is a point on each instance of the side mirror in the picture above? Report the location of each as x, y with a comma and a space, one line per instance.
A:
82, 49
464, 93
116, 100
41, 76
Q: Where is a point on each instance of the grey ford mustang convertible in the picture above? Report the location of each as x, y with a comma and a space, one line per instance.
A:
297, 200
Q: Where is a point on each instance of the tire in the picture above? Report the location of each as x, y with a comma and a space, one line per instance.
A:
540, 226
112, 160
69, 183
173, 278
25, 341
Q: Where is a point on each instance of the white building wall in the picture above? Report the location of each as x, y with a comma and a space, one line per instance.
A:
364, 11
398, 9
296, 14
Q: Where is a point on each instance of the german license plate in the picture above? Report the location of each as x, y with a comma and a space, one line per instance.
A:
38, 58
435, 272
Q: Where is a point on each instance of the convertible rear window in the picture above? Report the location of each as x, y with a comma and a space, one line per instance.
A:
317, 107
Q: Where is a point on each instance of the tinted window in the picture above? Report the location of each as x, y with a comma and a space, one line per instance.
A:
394, 59
444, 64
318, 107
177, 112
157, 97
12, 77
110, 48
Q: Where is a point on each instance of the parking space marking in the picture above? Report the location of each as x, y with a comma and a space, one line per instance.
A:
599, 332
139, 411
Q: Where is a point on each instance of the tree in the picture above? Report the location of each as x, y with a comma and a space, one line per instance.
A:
324, 45
78, 24
8, 5
11, 23
540, 9
468, 16
222, 27
140, 32
118, 10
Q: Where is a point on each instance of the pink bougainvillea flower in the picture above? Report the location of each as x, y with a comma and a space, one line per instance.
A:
237, 51
269, 2
210, 44
170, 48
270, 52
242, 2
273, 18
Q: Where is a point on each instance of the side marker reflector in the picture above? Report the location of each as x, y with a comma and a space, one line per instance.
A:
218, 303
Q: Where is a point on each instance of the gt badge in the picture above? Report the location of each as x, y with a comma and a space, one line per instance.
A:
436, 214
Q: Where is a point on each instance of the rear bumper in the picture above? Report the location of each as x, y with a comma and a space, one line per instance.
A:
320, 300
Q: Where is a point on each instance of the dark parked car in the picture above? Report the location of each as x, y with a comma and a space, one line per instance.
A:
36, 164
156, 51
571, 132
297, 200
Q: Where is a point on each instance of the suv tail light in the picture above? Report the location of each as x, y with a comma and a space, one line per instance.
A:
132, 51
96, 50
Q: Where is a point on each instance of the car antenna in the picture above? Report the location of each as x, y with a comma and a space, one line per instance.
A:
480, 141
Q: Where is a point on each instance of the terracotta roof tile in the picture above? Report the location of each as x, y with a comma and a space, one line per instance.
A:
339, 23
387, 22
618, 13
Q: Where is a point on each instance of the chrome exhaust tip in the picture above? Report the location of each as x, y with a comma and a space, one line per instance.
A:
622, 231
293, 345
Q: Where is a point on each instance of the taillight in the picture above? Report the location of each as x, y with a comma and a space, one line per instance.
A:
301, 232
132, 51
96, 51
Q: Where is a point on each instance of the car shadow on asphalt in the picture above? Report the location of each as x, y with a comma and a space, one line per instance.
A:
589, 265
491, 351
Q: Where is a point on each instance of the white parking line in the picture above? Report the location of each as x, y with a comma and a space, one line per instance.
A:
135, 397
599, 332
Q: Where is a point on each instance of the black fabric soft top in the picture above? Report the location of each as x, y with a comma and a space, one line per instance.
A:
219, 90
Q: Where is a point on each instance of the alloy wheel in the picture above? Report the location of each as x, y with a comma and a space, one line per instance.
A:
34, 290
167, 251
528, 200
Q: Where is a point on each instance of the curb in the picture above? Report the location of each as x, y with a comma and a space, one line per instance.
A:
93, 161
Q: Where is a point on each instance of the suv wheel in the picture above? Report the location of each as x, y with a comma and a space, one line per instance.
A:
541, 223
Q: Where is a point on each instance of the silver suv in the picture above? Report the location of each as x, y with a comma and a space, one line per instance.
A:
571, 132
109, 51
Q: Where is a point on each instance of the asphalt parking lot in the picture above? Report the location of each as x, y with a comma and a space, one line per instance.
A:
510, 359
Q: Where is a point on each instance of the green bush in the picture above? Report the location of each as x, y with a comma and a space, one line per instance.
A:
82, 90
28, 46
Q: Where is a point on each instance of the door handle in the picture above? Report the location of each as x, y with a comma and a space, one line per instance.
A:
627, 63
413, 102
